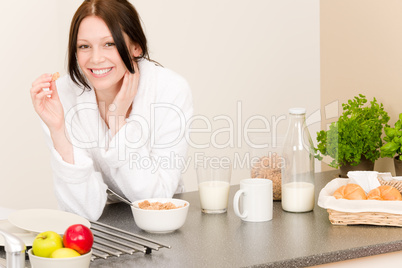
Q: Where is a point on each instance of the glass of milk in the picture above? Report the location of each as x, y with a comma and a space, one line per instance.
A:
213, 177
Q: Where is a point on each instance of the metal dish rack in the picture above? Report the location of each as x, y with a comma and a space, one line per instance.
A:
110, 241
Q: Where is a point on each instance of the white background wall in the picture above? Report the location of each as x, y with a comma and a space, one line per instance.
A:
263, 54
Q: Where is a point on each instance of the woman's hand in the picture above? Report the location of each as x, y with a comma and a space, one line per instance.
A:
119, 110
48, 106
47, 103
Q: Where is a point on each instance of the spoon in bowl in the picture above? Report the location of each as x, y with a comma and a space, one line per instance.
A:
110, 192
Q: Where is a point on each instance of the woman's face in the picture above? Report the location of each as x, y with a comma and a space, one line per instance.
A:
98, 57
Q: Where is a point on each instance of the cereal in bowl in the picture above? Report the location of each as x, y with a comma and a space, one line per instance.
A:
158, 205
55, 76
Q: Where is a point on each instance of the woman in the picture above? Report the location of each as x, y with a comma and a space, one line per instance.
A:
117, 118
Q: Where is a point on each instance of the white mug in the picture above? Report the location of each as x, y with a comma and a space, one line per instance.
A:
256, 198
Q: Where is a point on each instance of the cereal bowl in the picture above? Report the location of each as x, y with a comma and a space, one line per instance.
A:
160, 221
76, 262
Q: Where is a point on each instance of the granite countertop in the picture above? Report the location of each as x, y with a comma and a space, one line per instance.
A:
223, 240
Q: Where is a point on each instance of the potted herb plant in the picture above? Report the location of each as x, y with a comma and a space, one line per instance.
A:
354, 141
393, 147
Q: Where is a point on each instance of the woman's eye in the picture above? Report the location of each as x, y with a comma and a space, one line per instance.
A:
109, 44
83, 46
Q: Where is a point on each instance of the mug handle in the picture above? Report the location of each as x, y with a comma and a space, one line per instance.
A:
236, 200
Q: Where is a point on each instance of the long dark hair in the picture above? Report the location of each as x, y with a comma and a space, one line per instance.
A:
120, 16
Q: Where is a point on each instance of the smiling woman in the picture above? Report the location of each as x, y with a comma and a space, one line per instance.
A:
264, 54
92, 115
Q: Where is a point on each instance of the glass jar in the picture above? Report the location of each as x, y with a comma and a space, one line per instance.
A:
298, 165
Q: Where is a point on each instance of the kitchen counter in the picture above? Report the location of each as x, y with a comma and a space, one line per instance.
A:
223, 240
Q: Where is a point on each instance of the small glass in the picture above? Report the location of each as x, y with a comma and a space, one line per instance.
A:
213, 184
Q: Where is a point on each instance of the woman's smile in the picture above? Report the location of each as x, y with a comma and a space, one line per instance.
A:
98, 73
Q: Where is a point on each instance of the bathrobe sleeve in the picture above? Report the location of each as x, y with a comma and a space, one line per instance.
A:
78, 187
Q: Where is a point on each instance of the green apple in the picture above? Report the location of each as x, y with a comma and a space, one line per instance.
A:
45, 243
64, 253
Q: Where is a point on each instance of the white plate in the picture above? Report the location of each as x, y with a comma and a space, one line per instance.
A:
26, 236
42, 220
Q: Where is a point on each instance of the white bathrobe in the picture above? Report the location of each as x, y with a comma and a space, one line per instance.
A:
143, 160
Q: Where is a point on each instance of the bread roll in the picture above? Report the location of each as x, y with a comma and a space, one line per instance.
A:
385, 192
350, 191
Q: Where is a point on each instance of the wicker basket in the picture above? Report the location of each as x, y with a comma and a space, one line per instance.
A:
370, 218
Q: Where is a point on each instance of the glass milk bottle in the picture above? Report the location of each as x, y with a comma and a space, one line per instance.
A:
298, 165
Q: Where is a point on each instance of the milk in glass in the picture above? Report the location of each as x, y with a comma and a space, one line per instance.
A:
214, 195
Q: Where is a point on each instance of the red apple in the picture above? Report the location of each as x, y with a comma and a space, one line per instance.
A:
78, 237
